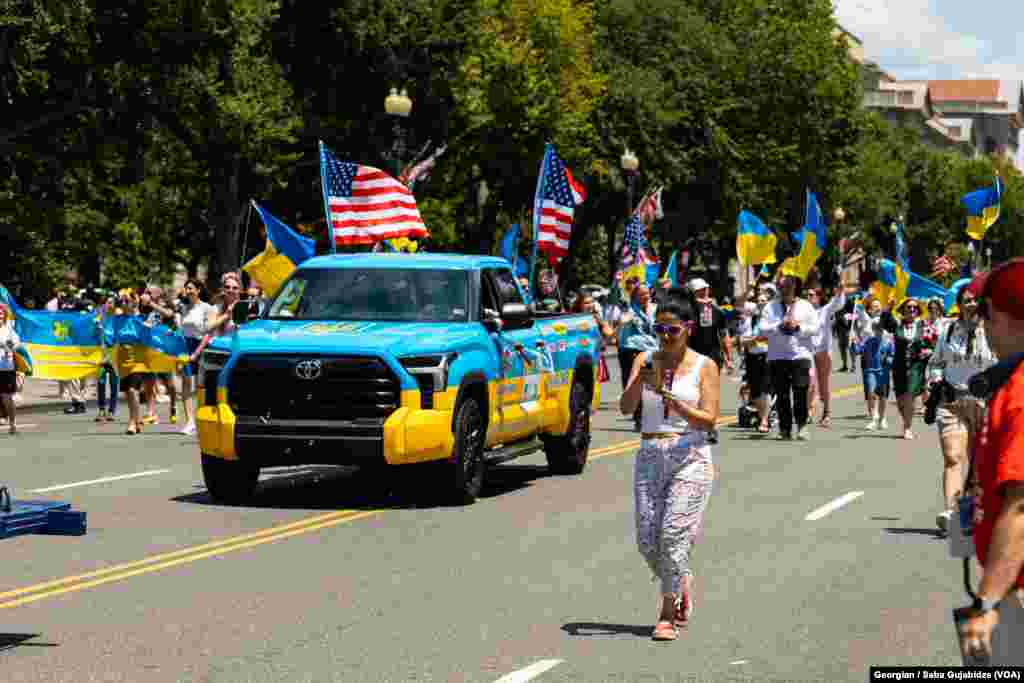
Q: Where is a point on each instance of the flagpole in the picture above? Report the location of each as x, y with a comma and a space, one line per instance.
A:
536, 215
327, 208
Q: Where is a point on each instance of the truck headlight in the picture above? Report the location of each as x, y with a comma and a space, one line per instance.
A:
434, 366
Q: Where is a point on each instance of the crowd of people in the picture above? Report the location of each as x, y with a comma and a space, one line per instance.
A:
190, 310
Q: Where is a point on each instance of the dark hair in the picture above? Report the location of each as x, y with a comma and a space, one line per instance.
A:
680, 308
960, 297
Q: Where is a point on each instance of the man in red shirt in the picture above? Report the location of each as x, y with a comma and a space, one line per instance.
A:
999, 470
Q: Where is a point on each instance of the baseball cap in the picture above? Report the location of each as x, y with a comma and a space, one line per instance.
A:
1003, 286
697, 283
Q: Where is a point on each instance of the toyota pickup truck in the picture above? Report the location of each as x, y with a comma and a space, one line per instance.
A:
385, 360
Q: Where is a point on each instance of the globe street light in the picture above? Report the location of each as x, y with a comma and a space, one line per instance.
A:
399, 106
839, 215
630, 167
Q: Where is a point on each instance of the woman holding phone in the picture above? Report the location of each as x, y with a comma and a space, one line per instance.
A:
674, 472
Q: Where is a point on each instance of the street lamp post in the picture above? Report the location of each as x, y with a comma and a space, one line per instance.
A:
399, 106
630, 168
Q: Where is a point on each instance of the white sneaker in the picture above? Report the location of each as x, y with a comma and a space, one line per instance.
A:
163, 398
804, 434
942, 520
884, 424
872, 425
189, 429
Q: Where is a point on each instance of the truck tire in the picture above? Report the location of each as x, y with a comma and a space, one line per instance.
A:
568, 454
229, 482
465, 475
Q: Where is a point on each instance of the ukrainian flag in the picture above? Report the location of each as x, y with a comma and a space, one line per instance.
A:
982, 209
755, 243
812, 244
58, 345
892, 283
138, 348
285, 250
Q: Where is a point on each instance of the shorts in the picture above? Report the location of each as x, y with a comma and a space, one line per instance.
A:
876, 383
8, 382
134, 381
959, 417
756, 374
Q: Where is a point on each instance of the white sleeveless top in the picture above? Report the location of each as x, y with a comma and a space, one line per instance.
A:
685, 388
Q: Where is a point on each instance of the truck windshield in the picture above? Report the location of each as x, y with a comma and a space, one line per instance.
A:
374, 294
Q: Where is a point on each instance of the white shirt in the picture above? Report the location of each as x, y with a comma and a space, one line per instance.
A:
747, 329
789, 346
192, 321
950, 360
822, 341
7, 334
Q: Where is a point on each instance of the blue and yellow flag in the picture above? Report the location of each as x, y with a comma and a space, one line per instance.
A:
138, 348
59, 345
982, 209
285, 250
813, 241
672, 270
755, 243
892, 283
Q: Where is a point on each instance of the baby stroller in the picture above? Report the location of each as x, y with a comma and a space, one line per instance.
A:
747, 413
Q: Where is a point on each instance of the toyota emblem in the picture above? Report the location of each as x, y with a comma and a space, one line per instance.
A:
308, 369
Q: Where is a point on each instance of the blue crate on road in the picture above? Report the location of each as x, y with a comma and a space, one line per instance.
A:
40, 517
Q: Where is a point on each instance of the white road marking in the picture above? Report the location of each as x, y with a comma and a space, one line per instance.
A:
104, 480
740, 661
530, 672
833, 506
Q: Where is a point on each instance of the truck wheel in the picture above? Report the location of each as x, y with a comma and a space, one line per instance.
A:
229, 482
568, 454
468, 453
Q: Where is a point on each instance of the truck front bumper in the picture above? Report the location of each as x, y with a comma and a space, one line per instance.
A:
408, 435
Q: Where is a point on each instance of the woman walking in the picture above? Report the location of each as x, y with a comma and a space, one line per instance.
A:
961, 351
789, 324
9, 343
585, 304
911, 334
674, 471
193, 316
821, 344
131, 368
107, 379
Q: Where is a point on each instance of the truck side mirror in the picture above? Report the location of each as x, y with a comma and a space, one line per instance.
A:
516, 315
240, 313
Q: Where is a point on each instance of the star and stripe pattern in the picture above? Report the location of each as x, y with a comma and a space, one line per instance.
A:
558, 195
366, 205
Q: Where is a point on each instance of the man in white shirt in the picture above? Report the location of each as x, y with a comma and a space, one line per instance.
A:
789, 324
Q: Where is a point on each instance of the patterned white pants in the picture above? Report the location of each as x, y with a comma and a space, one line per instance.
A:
673, 478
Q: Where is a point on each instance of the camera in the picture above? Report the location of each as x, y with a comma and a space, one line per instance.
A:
941, 392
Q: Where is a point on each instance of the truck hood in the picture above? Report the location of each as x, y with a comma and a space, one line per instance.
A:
377, 338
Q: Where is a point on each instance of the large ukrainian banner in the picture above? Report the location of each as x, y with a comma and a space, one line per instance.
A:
59, 345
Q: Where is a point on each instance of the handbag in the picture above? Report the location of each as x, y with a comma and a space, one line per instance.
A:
602, 370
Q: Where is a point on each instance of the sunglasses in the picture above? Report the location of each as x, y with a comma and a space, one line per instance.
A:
671, 330
232, 289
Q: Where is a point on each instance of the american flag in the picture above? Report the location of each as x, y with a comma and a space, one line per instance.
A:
942, 266
558, 195
650, 209
635, 248
366, 205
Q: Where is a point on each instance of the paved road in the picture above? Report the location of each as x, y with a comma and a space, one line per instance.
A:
324, 578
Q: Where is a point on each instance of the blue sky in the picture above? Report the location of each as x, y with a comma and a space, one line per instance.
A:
939, 39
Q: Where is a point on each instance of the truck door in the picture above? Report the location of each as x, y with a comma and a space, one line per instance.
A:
519, 399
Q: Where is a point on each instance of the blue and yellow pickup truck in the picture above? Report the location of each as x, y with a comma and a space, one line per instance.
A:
382, 360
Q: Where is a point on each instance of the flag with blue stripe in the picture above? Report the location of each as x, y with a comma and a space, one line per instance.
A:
285, 251
982, 209
755, 243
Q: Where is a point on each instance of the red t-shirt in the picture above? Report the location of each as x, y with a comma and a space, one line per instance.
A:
1000, 457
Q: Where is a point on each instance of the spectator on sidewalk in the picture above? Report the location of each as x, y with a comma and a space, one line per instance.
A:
9, 343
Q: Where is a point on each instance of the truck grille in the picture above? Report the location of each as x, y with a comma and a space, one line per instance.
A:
346, 388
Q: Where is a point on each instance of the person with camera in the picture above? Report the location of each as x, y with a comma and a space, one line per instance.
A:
961, 351
789, 324
674, 471
994, 625
9, 343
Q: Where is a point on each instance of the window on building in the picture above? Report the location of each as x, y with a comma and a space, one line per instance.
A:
906, 97
956, 131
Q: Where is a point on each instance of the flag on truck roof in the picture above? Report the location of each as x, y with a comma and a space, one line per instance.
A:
558, 195
365, 205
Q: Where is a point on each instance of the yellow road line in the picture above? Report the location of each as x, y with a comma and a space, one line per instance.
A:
71, 584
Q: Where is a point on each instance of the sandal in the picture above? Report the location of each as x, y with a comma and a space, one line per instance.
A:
664, 631
763, 428
684, 609
132, 430
826, 420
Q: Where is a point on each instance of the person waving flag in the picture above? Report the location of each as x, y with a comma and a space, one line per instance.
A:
365, 205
